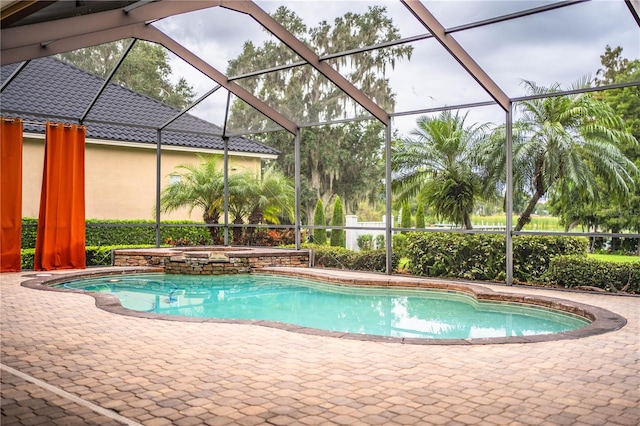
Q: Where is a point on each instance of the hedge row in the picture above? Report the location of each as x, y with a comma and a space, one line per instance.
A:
483, 257
127, 232
342, 258
95, 255
578, 271
552, 259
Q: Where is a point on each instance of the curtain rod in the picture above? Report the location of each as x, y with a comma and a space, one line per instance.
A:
38, 123
9, 119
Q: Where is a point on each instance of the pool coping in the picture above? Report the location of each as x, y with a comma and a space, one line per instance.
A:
602, 320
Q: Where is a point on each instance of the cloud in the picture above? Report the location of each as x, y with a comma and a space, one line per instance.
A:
216, 34
557, 46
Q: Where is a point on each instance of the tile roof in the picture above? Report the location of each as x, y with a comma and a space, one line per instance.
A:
50, 89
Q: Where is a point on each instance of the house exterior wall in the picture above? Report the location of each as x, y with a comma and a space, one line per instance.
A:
120, 181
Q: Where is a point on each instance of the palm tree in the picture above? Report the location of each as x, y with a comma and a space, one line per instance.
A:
200, 186
436, 163
275, 198
559, 143
243, 188
259, 199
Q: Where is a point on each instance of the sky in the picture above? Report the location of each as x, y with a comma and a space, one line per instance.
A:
559, 46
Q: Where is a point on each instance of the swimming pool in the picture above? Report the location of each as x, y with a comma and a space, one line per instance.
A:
379, 311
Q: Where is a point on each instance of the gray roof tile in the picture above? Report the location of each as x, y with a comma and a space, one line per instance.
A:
50, 89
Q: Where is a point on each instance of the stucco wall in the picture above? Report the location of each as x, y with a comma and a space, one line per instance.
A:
119, 181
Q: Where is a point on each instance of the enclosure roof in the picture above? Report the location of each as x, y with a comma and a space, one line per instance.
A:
35, 29
17, 13
50, 89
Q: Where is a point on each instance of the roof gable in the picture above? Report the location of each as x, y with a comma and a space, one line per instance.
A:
50, 89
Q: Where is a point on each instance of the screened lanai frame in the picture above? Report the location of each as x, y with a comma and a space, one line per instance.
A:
106, 22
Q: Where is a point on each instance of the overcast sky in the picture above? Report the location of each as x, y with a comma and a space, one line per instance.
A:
557, 46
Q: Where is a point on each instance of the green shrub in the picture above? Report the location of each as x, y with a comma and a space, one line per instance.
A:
114, 232
342, 258
380, 241
118, 232
469, 256
319, 235
27, 257
95, 255
337, 235
365, 242
399, 244
98, 255
191, 235
29, 231
483, 256
405, 217
579, 271
125, 232
332, 257
532, 254
420, 221
374, 261
265, 237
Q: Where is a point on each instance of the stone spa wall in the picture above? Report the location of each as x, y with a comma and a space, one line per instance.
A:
211, 260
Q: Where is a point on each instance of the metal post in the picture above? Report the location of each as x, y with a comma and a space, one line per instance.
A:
388, 212
296, 154
158, 177
225, 139
509, 194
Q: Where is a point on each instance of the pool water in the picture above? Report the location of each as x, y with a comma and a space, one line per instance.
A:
429, 314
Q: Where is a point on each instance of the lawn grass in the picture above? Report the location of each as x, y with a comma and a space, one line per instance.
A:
615, 258
538, 223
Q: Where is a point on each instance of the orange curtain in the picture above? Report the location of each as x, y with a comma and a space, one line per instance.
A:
10, 193
60, 242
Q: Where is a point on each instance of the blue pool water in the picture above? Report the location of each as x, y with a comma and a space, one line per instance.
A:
379, 311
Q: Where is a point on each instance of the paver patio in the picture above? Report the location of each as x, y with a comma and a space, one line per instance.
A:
155, 372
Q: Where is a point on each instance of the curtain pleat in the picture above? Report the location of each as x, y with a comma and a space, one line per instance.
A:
10, 194
60, 241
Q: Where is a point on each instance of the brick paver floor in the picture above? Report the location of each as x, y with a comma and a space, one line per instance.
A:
155, 372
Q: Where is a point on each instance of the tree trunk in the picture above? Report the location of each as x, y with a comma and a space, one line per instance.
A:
255, 218
309, 210
525, 217
467, 222
615, 241
214, 232
238, 232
